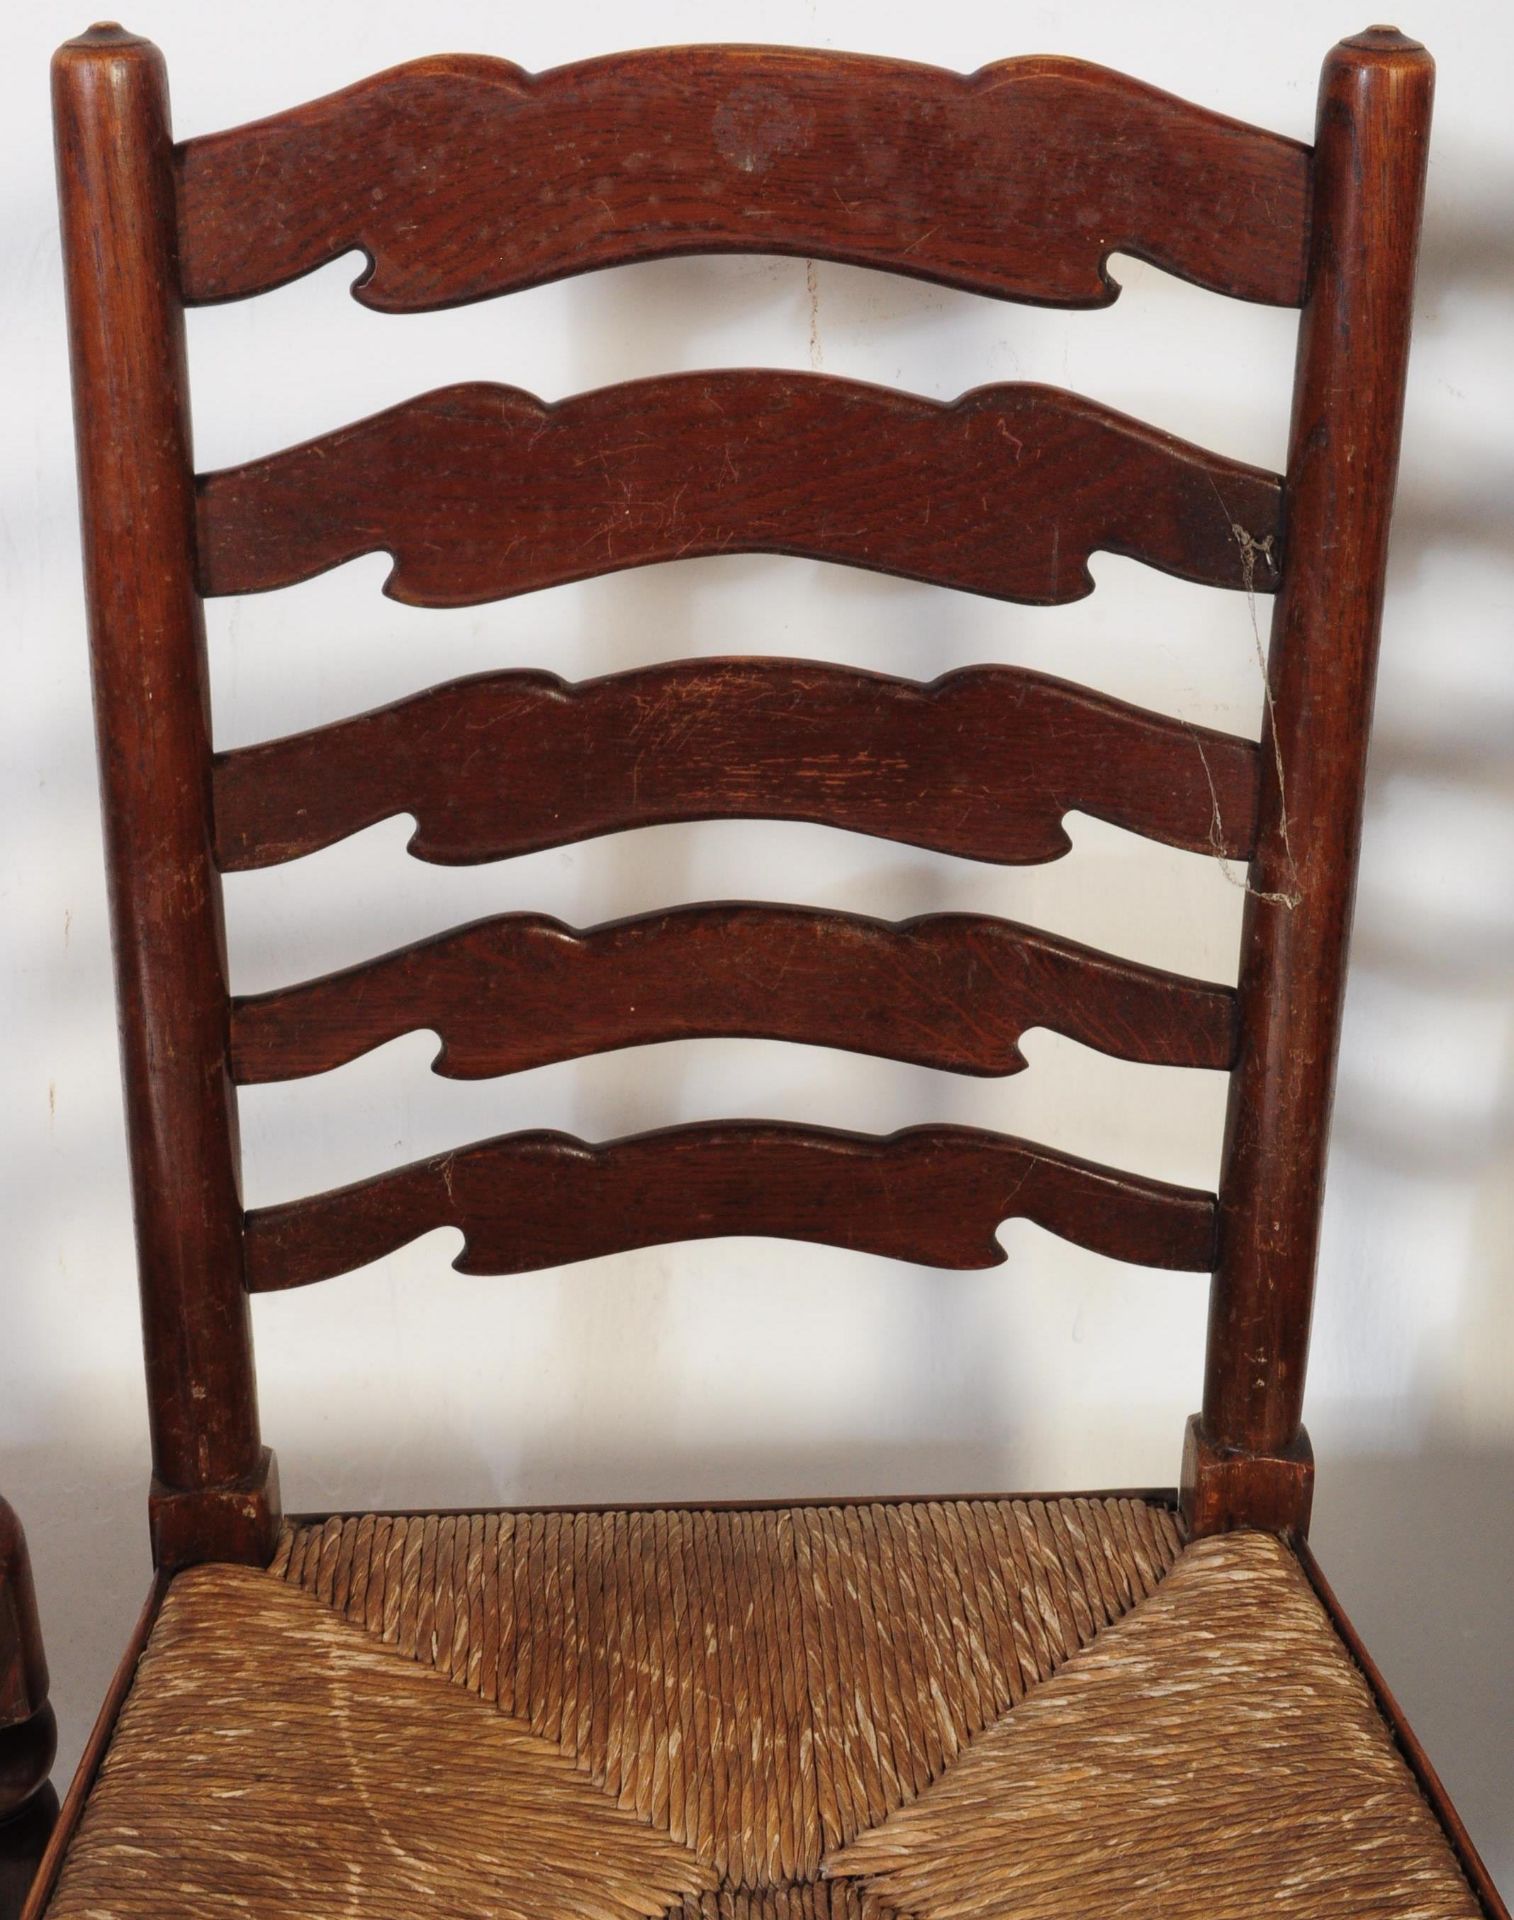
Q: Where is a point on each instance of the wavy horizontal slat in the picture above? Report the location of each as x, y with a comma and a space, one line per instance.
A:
932, 1195
463, 177
983, 763
478, 492
950, 990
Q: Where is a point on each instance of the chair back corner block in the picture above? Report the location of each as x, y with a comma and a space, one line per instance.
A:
477, 492
238, 1523
1221, 1488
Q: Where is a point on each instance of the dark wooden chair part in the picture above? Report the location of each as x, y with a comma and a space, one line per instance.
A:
480, 491
461, 179
28, 1727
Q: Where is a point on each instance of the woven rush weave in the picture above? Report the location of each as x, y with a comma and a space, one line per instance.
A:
944, 1710
762, 1684
1216, 1754
271, 1762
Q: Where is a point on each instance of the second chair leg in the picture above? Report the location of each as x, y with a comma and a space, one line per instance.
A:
28, 1731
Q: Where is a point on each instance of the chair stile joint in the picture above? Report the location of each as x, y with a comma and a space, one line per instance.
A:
1226, 1487
238, 1523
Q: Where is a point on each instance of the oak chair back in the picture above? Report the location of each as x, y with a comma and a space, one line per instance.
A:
464, 178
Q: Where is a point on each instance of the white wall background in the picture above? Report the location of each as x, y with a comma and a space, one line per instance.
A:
747, 1367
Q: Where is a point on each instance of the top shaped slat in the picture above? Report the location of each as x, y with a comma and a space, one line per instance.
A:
463, 176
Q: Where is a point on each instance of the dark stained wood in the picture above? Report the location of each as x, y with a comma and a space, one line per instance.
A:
983, 763
1226, 1487
28, 1727
95, 1749
212, 1523
949, 990
24, 1842
463, 177
1409, 1744
932, 1195
1373, 131
126, 333
23, 1664
479, 492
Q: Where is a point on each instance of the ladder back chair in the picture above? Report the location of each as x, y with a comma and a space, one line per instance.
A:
887, 1710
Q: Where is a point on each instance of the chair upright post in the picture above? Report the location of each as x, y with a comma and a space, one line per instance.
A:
1247, 1461
214, 1494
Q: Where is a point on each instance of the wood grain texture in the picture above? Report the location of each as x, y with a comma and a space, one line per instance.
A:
932, 1195
147, 647
1273, 1491
463, 177
954, 991
213, 1523
478, 492
1373, 134
983, 763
